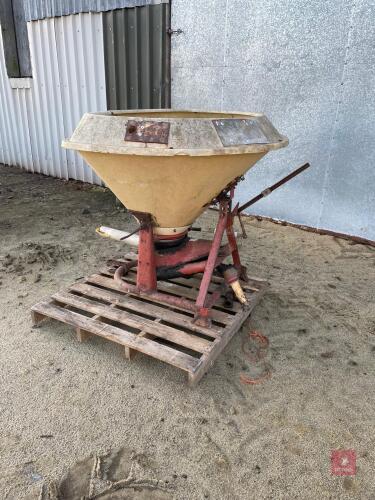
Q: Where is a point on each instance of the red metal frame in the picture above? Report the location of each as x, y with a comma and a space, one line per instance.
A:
191, 257
161, 297
232, 240
202, 316
188, 252
199, 267
146, 269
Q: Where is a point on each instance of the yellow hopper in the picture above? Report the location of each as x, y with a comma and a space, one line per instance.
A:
170, 163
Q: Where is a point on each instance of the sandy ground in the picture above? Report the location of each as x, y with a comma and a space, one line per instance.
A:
64, 403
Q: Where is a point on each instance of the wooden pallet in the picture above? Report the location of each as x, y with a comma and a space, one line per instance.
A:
96, 306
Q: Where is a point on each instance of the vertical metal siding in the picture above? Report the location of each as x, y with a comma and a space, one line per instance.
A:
79, 39
14, 136
68, 80
136, 46
49, 106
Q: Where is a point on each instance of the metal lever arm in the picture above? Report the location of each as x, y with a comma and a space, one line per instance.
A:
269, 190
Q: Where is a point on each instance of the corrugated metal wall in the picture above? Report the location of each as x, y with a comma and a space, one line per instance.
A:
41, 9
137, 54
15, 147
310, 66
68, 80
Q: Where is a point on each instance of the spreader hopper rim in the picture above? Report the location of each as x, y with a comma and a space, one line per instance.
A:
172, 115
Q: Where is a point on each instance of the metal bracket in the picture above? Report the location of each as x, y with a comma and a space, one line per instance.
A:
170, 31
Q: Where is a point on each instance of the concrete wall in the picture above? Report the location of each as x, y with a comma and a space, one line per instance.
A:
310, 66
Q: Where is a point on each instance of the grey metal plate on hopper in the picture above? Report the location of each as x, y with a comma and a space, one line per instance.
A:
236, 132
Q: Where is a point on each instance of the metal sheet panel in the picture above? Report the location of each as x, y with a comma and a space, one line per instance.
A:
41, 9
313, 78
15, 146
238, 132
79, 41
68, 80
136, 46
47, 99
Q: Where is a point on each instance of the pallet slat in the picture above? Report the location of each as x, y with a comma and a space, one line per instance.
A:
128, 319
138, 306
147, 346
97, 279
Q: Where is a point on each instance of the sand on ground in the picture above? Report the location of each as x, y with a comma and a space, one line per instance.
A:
69, 409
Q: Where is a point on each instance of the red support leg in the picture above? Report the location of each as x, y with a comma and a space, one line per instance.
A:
202, 310
146, 270
233, 242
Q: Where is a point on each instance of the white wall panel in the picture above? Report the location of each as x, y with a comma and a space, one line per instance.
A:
11, 125
68, 80
80, 51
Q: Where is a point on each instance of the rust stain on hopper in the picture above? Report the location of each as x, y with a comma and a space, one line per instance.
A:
147, 131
